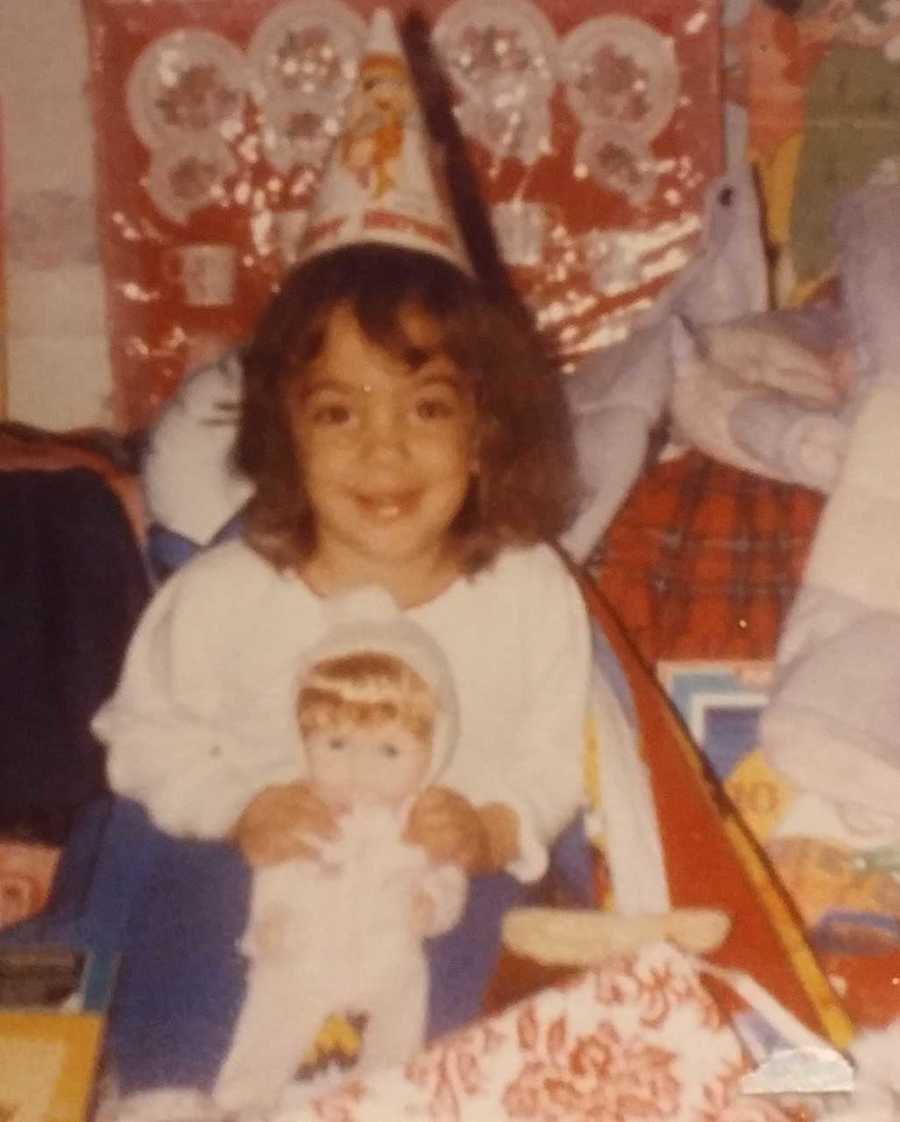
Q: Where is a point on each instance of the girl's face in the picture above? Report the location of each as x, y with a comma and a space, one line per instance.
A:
387, 453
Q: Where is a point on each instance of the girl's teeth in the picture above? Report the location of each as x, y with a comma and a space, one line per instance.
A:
384, 508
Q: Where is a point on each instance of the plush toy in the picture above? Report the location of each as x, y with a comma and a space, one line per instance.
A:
711, 367
832, 725
620, 394
752, 393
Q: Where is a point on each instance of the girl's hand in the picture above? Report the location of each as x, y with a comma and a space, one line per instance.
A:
282, 823
449, 828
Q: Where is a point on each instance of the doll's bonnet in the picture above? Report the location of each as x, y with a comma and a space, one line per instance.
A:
368, 619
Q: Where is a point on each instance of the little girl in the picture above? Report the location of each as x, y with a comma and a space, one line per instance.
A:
400, 427
376, 710
400, 431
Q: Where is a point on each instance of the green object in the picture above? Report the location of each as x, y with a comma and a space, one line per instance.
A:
852, 126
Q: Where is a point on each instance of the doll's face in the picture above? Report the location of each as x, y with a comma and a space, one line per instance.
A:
380, 764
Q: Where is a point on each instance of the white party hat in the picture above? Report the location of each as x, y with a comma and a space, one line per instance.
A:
379, 184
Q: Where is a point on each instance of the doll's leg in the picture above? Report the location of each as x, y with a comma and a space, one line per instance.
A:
395, 1029
281, 1015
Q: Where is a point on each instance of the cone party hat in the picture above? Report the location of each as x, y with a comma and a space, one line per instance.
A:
380, 183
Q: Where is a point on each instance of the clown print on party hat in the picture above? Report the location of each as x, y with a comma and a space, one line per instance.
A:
379, 183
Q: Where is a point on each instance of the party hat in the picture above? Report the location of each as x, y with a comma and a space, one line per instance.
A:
380, 183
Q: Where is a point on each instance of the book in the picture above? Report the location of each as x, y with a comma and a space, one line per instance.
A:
720, 703
845, 883
53, 1006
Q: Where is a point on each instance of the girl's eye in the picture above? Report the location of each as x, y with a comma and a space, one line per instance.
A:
390, 750
435, 408
331, 414
337, 743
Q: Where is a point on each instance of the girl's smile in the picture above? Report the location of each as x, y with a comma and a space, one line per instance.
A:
387, 452
390, 505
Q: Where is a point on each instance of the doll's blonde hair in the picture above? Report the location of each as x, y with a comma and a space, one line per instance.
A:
366, 688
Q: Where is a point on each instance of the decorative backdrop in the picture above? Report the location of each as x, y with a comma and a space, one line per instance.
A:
592, 127
822, 85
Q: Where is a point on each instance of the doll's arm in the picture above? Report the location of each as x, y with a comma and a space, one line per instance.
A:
440, 899
282, 904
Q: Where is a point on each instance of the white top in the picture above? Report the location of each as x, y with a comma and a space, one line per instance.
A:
319, 912
203, 716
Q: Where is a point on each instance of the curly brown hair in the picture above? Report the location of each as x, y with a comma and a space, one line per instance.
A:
525, 490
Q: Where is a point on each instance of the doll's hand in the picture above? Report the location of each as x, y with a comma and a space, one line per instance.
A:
449, 828
423, 914
283, 823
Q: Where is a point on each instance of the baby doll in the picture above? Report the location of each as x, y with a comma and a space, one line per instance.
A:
343, 928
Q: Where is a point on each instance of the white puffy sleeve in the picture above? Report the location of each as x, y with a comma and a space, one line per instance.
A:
546, 769
519, 640
168, 744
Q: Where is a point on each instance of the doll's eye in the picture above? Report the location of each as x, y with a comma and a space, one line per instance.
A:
337, 743
390, 750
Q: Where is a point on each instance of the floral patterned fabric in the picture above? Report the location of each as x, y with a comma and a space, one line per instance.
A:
640, 1037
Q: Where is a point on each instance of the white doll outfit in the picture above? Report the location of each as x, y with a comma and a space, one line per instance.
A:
334, 935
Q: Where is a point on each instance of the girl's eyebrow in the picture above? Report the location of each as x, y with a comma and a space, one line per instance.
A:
444, 377
437, 367
313, 386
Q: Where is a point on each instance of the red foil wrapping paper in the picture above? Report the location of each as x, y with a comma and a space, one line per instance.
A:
592, 128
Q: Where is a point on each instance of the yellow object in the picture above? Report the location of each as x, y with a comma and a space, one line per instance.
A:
48, 1062
777, 175
338, 1039
760, 795
834, 1020
591, 765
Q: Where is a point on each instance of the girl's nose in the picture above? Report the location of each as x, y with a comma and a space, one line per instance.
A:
385, 431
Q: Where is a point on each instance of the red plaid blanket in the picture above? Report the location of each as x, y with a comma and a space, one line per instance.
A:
703, 559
